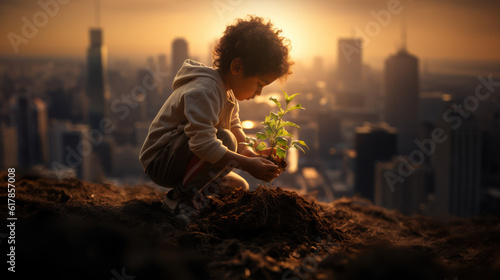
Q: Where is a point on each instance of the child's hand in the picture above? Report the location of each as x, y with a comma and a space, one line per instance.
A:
268, 151
262, 169
249, 152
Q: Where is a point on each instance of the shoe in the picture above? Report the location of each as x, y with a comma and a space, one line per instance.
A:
169, 204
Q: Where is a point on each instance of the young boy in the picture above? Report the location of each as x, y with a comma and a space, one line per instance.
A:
194, 139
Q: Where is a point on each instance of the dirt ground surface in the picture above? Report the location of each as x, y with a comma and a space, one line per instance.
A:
78, 230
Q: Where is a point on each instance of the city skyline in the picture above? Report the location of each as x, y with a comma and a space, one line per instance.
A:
313, 28
78, 96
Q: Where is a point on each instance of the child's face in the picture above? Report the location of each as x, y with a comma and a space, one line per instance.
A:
246, 88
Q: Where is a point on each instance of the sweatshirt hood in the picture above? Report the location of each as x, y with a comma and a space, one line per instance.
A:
191, 69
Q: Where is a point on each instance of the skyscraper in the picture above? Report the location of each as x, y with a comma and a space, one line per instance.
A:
349, 79
373, 143
490, 175
71, 141
162, 62
98, 96
401, 97
8, 146
457, 164
31, 122
96, 78
328, 133
408, 196
179, 54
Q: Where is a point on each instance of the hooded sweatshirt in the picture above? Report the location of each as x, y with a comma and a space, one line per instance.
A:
199, 105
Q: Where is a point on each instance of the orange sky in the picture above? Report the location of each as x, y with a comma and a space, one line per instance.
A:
458, 29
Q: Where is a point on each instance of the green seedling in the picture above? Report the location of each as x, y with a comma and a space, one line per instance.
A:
280, 140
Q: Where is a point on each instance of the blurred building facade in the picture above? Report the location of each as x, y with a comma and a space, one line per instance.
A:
349, 80
457, 167
29, 115
374, 142
401, 85
8, 146
409, 195
179, 54
96, 79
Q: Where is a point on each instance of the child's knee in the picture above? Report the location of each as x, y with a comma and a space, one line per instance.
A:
238, 182
228, 139
244, 185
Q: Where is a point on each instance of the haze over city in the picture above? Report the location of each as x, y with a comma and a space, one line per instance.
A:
106, 115
446, 30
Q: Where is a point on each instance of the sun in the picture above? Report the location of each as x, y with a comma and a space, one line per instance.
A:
290, 20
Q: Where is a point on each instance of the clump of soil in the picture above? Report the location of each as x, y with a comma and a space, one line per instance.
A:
280, 162
244, 214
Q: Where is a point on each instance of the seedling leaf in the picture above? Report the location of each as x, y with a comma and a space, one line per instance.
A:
261, 146
290, 98
273, 99
280, 152
298, 106
298, 148
261, 136
289, 124
282, 141
275, 132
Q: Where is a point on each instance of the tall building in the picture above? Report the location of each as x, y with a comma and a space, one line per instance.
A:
96, 78
8, 146
349, 63
490, 176
179, 54
125, 163
349, 80
457, 167
72, 149
402, 98
374, 142
162, 62
72, 154
150, 104
31, 122
163, 66
409, 196
328, 133
432, 104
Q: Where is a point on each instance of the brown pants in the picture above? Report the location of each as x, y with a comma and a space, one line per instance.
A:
169, 165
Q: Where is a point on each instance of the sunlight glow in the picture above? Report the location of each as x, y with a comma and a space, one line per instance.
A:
446, 97
310, 173
247, 124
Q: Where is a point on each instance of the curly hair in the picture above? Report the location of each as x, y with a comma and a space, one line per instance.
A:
258, 44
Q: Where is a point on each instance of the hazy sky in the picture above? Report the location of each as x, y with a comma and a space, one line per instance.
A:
448, 29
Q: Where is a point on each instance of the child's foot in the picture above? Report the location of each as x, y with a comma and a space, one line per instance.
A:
169, 202
179, 207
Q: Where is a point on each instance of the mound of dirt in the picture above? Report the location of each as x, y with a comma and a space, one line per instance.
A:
80, 230
262, 213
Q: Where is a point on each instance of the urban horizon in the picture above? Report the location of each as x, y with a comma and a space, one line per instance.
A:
93, 114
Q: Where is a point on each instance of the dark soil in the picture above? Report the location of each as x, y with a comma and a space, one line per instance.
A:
78, 230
